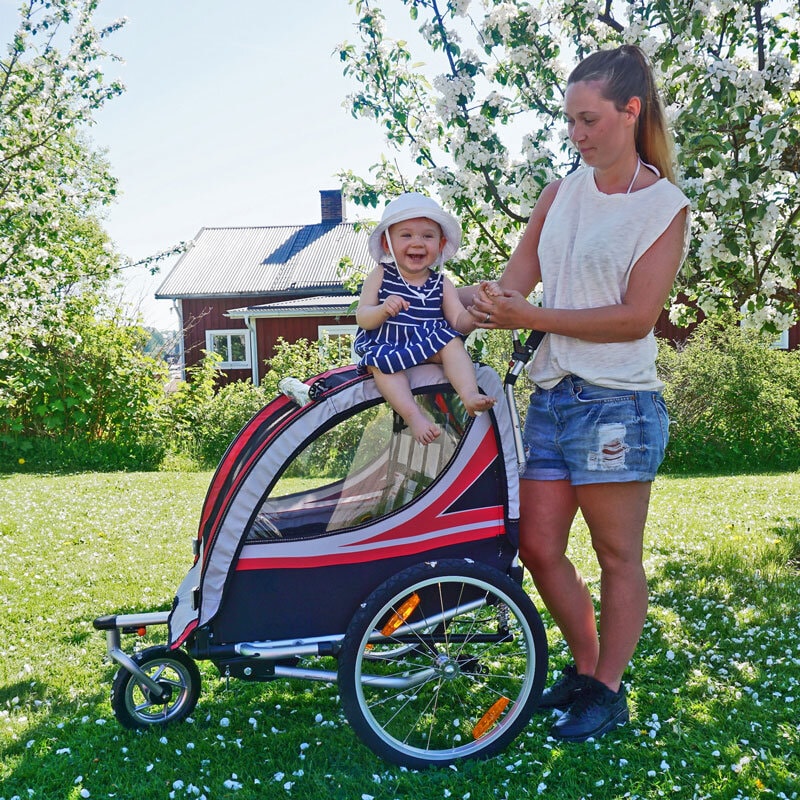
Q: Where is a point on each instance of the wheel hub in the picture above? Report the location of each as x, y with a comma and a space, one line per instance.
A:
448, 668
165, 696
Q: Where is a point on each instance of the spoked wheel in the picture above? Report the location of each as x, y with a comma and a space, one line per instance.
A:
445, 661
136, 706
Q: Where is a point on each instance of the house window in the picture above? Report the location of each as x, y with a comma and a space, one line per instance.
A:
232, 345
336, 343
782, 342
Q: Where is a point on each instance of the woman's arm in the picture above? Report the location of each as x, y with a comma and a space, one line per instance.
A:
649, 287
522, 272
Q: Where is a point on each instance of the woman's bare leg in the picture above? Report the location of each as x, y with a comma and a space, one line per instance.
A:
547, 510
616, 514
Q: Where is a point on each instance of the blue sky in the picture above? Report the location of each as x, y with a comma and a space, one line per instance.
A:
232, 116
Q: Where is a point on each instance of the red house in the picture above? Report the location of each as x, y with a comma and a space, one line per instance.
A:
238, 290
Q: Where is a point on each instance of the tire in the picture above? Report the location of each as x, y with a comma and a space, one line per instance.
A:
174, 670
442, 688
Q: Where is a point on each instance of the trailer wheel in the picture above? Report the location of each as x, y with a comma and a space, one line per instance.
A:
135, 705
445, 661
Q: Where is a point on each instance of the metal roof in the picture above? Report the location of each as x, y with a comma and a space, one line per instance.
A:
335, 305
278, 259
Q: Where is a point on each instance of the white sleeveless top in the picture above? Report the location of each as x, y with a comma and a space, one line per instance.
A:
589, 243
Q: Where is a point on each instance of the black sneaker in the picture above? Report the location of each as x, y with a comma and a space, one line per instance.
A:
564, 692
596, 711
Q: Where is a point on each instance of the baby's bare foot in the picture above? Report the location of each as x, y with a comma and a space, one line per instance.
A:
423, 430
477, 403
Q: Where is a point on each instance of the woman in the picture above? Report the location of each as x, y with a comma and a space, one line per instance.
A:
606, 242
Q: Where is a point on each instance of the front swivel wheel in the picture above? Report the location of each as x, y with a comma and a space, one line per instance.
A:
135, 705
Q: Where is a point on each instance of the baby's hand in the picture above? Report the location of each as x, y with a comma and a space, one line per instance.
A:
492, 288
394, 304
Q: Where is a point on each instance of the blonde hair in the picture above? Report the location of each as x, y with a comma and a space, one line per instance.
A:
624, 73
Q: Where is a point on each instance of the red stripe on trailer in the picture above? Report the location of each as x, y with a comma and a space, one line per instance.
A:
360, 557
231, 456
186, 633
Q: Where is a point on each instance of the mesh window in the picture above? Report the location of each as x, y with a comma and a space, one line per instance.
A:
363, 468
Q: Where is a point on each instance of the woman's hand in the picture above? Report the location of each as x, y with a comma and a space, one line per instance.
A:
495, 307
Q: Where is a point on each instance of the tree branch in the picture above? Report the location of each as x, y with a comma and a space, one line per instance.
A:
608, 18
762, 60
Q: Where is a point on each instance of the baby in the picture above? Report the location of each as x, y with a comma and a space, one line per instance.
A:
409, 313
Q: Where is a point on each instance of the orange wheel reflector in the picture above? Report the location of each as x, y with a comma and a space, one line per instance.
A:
490, 717
401, 615
141, 631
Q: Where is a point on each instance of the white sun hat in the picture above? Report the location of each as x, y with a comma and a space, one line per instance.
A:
413, 205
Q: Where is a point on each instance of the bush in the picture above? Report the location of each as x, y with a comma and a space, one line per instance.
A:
204, 420
84, 397
224, 416
303, 359
734, 401
47, 454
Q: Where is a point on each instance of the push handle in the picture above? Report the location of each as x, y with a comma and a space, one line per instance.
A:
520, 356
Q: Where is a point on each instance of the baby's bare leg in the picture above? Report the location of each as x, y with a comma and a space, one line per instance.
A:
397, 392
460, 372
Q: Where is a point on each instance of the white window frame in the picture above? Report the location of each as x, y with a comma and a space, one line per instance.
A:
782, 342
229, 332
339, 330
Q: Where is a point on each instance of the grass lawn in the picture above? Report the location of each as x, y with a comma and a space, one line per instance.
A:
714, 687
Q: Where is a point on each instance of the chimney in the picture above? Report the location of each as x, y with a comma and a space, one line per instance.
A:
332, 205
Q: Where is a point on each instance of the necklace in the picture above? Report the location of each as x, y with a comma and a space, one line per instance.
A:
635, 175
419, 291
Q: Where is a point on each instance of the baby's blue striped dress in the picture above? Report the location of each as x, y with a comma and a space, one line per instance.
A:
411, 337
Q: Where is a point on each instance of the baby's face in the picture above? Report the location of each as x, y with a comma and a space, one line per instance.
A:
417, 243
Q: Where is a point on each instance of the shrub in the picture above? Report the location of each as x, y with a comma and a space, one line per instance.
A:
734, 401
224, 416
303, 359
205, 420
84, 397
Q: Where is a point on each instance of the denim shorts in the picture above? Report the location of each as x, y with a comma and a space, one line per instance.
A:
584, 433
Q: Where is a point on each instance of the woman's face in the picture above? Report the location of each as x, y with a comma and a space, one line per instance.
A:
600, 132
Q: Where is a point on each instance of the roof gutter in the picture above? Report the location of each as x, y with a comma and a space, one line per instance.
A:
343, 311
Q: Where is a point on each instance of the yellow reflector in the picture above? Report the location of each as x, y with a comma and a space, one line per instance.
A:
401, 615
490, 717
